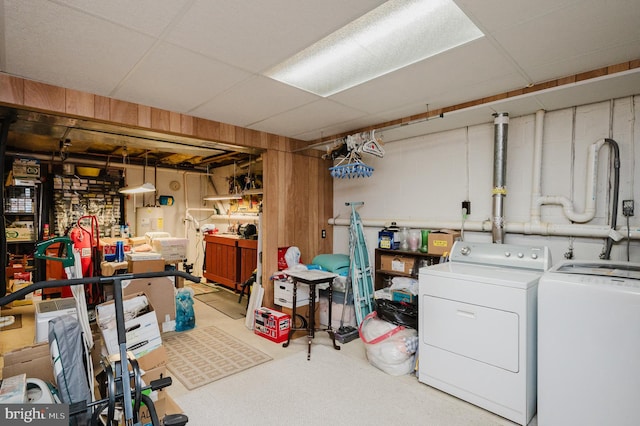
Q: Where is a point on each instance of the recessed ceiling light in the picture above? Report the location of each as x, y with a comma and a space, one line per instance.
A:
392, 36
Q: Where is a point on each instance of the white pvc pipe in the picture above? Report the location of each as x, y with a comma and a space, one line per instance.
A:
536, 183
527, 228
534, 226
590, 195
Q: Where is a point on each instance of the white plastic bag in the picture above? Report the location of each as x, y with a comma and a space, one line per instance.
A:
292, 257
389, 347
185, 314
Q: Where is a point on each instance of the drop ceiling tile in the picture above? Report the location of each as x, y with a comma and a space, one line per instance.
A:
164, 75
494, 15
147, 16
580, 33
582, 93
255, 35
593, 60
433, 80
99, 47
253, 100
308, 117
454, 120
64, 47
344, 127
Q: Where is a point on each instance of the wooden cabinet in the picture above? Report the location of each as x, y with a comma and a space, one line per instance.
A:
248, 252
229, 260
400, 263
221, 260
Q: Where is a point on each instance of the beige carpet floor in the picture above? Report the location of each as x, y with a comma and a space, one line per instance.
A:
330, 389
203, 355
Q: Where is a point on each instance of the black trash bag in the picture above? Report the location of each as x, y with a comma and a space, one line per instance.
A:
399, 313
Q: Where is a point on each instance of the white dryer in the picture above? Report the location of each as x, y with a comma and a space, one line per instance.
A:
589, 344
477, 326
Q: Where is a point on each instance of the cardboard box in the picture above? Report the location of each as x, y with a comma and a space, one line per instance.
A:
172, 249
160, 292
161, 411
26, 168
24, 234
399, 264
179, 282
142, 332
139, 266
403, 296
161, 406
154, 365
272, 325
441, 242
282, 263
28, 299
13, 390
154, 359
35, 361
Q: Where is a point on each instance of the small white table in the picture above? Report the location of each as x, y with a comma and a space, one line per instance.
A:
311, 278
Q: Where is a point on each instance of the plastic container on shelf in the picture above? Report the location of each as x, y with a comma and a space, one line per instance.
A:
414, 239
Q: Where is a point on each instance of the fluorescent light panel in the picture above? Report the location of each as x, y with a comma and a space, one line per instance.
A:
394, 35
145, 187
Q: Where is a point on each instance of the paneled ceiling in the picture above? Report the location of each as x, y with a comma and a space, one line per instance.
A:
207, 58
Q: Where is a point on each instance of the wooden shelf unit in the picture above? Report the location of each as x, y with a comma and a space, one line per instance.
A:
419, 258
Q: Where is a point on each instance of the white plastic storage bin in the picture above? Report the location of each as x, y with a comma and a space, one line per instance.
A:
283, 294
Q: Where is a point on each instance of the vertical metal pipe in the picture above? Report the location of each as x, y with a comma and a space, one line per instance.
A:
499, 191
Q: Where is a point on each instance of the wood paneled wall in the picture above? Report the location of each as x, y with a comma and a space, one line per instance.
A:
298, 193
299, 212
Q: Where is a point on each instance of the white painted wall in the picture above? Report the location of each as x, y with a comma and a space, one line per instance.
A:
426, 178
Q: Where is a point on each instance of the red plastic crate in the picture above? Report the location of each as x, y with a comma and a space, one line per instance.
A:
272, 325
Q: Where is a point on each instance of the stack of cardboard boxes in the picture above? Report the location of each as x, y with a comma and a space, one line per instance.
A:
144, 339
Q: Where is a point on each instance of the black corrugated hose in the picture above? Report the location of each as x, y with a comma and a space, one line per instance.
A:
616, 190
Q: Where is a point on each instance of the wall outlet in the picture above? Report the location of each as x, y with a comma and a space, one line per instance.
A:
627, 207
324, 233
467, 205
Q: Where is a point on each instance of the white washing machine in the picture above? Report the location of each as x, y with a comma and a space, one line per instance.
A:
589, 344
477, 326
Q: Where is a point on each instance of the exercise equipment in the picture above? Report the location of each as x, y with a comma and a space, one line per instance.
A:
121, 369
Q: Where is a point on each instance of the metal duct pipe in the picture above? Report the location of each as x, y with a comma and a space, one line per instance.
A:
499, 191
